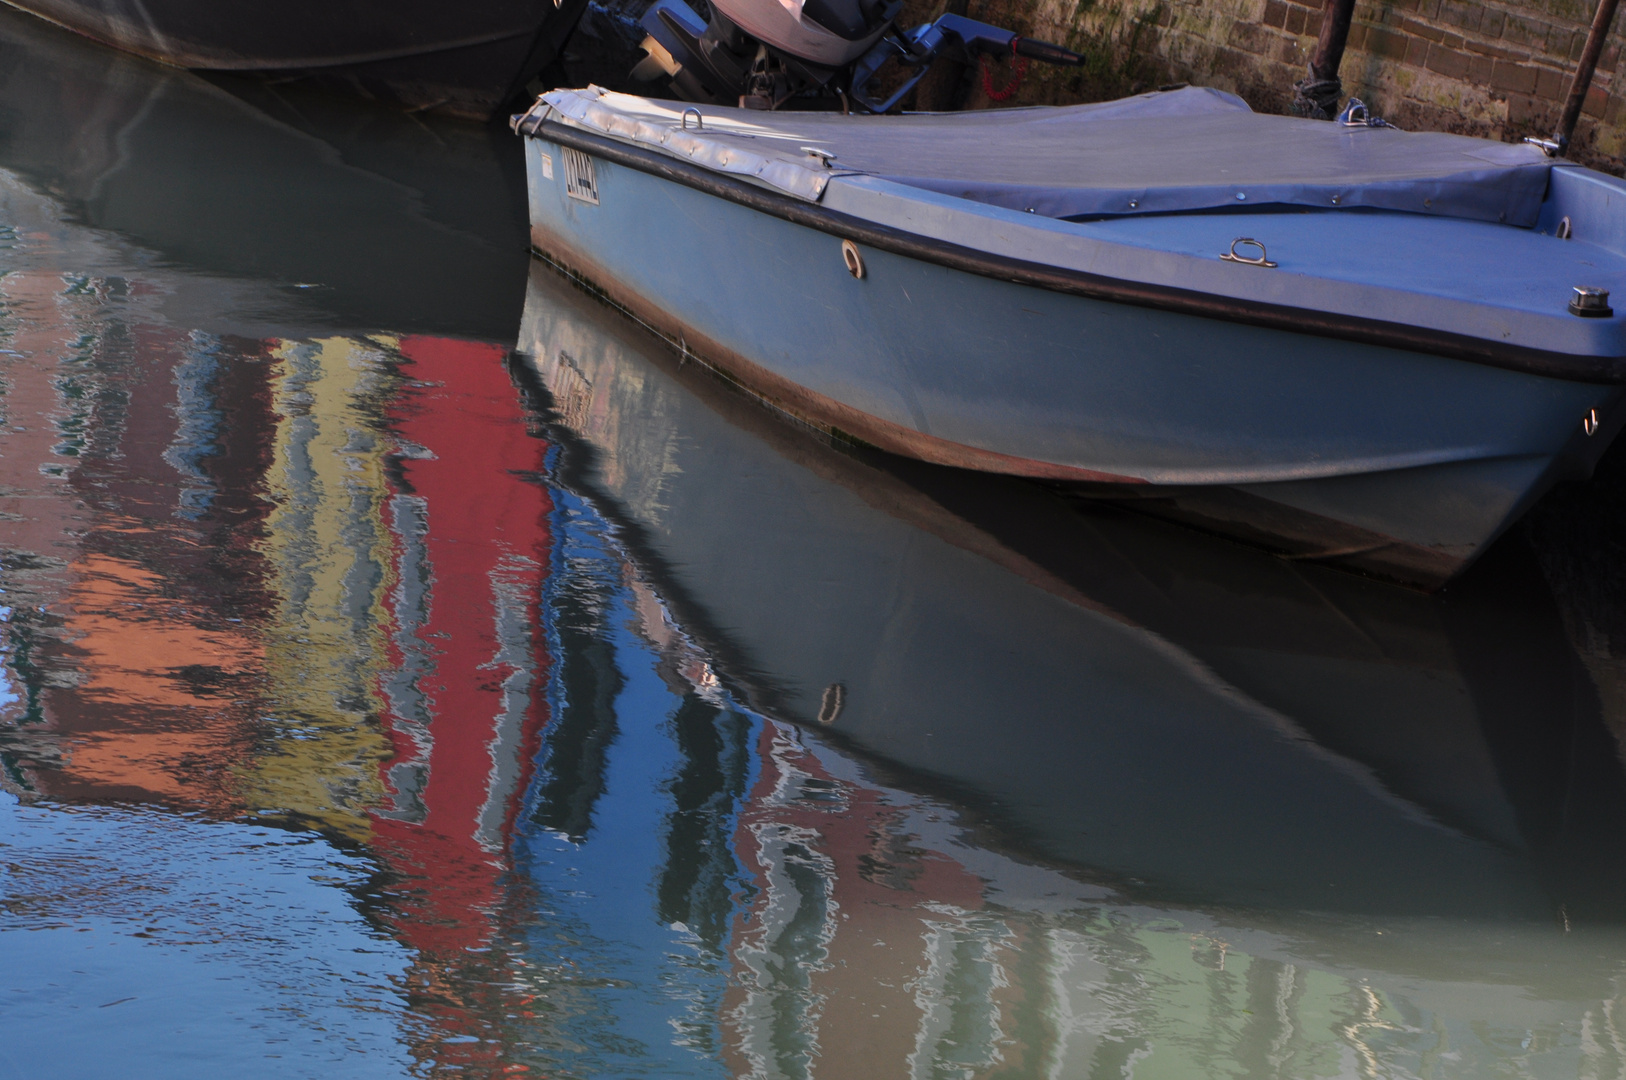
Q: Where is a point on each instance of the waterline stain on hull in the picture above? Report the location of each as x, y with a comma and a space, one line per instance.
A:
1314, 520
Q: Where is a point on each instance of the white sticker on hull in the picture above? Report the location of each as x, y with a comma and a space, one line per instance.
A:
581, 182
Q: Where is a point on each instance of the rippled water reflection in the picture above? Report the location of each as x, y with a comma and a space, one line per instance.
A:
409, 669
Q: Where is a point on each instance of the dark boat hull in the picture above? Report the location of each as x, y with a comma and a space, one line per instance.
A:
463, 59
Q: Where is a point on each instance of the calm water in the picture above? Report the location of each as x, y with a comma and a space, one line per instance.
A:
410, 668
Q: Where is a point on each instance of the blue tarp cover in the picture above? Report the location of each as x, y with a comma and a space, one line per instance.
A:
1182, 150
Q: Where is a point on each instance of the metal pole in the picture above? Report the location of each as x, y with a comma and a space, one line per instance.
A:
1318, 95
1583, 73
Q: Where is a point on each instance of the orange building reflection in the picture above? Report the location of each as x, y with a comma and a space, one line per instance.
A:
135, 670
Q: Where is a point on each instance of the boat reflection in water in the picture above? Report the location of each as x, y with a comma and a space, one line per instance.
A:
1129, 697
1379, 778
372, 703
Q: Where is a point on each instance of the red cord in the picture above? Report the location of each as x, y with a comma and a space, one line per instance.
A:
1011, 87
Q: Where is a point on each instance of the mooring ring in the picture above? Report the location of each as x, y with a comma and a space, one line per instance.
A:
1232, 256
854, 261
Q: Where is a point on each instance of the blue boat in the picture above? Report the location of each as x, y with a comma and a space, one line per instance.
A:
1342, 341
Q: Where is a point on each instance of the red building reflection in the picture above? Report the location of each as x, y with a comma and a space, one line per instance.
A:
470, 530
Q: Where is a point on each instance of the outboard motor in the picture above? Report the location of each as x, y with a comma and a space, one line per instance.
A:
771, 54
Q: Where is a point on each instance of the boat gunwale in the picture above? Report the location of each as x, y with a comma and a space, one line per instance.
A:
1571, 367
147, 46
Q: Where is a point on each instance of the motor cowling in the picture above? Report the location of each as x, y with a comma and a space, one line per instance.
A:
830, 33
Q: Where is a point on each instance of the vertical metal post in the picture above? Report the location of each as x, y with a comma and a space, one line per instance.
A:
1318, 95
1583, 73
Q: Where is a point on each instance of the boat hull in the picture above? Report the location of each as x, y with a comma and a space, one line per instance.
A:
1395, 462
461, 59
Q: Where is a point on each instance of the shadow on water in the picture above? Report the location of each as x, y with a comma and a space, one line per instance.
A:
368, 219
378, 700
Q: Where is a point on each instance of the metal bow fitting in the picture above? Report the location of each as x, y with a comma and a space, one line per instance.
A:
1262, 260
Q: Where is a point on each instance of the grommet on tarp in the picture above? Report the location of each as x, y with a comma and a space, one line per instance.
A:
1591, 302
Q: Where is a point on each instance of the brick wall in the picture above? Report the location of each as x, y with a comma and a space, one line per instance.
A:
1500, 69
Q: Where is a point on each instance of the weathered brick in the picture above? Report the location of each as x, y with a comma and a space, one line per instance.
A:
1513, 78
1495, 66
1571, 11
1527, 112
1609, 58
1597, 100
1386, 43
1241, 65
1564, 44
1422, 30
1448, 62
1551, 84
1495, 52
1464, 14
1518, 30
1250, 37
